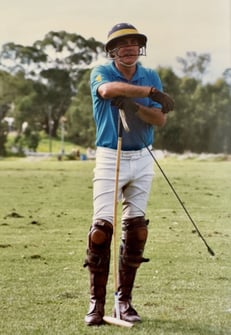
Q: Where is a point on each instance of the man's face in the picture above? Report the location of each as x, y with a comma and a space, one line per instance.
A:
127, 49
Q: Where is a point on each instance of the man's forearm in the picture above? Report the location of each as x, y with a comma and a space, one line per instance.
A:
114, 89
151, 115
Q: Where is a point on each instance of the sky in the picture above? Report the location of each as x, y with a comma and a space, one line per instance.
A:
173, 27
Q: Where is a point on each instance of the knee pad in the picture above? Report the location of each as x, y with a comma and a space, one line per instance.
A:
99, 242
134, 237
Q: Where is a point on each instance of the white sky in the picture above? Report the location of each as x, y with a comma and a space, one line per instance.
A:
173, 27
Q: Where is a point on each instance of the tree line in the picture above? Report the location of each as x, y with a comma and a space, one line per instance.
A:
46, 86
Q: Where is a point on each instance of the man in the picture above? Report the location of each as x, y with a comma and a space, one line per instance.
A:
122, 84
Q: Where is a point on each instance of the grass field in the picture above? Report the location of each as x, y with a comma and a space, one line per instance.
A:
45, 214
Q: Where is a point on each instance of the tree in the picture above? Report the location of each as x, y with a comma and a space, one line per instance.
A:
57, 62
213, 105
7, 94
3, 130
175, 135
56, 97
227, 77
50, 79
194, 65
80, 122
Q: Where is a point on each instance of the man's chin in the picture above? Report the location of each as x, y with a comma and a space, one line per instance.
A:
128, 60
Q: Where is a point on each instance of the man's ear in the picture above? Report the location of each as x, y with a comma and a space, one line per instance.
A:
112, 54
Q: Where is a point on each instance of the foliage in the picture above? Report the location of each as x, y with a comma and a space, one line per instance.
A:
44, 222
202, 117
55, 63
50, 80
195, 65
6, 97
29, 140
58, 50
81, 128
3, 136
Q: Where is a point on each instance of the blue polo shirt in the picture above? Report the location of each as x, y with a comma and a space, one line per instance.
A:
106, 115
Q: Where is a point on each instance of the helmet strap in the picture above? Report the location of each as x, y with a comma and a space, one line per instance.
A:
127, 65
113, 54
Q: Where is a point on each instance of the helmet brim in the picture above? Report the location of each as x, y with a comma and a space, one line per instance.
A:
118, 35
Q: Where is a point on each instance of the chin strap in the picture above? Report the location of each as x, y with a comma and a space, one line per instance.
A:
128, 65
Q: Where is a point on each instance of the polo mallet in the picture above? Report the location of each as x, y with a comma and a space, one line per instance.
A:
109, 319
212, 253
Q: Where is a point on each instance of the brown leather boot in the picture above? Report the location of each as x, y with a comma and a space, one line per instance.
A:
126, 282
95, 314
131, 256
98, 261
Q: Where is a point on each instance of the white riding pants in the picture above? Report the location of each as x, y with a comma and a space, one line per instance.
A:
135, 180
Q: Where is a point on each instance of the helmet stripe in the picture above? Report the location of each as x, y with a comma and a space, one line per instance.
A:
122, 32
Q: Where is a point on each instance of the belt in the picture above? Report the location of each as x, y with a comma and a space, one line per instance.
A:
126, 154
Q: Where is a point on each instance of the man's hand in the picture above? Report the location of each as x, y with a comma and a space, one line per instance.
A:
164, 99
126, 104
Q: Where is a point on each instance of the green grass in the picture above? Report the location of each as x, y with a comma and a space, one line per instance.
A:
55, 145
45, 214
48, 145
